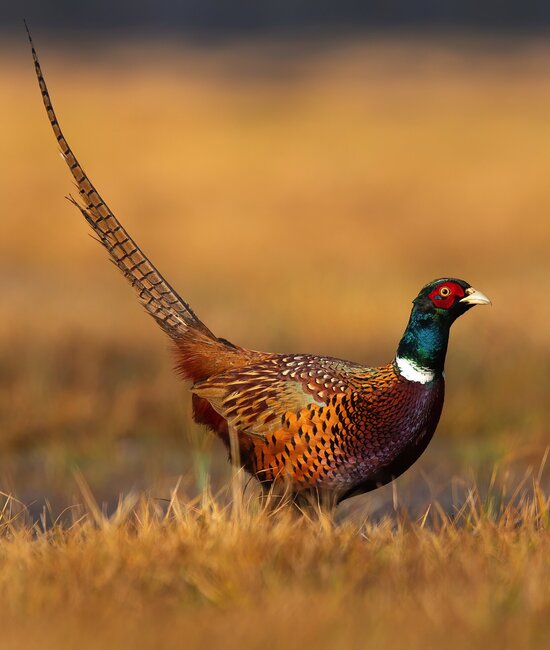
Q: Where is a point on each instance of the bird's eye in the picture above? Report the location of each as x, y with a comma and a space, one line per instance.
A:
445, 291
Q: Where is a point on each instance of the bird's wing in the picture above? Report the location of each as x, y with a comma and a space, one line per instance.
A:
259, 398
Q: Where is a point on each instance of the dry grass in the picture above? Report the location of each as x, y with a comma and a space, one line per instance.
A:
197, 574
298, 197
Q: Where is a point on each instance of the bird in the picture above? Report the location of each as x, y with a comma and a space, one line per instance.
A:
315, 427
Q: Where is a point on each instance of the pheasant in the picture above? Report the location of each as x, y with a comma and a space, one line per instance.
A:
319, 426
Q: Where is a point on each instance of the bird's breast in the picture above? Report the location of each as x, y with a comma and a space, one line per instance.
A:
388, 423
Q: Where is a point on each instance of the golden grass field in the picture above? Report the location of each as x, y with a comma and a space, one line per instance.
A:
298, 196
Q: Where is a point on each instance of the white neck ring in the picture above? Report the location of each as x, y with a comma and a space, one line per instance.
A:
413, 372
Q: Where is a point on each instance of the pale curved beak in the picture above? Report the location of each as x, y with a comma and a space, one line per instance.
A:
474, 297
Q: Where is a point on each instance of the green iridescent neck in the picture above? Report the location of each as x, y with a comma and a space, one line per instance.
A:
425, 340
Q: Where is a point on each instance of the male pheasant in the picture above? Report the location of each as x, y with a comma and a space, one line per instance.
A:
316, 425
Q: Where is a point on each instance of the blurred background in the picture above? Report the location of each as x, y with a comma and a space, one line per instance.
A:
298, 172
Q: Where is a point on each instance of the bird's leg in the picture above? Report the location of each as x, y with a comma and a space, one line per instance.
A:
322, 502
275, 495
237, 480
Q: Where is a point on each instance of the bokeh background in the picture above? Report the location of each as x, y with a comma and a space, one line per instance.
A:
298, 173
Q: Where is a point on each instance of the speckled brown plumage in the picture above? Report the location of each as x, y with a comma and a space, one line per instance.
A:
323, 423
314, 425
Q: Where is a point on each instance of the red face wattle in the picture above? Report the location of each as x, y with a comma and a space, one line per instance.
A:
446, 294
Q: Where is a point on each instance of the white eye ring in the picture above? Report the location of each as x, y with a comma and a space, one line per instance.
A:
445, 291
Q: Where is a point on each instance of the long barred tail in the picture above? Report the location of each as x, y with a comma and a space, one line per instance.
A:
172, 313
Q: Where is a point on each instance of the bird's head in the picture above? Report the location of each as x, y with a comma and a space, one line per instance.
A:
448, 298
437, 306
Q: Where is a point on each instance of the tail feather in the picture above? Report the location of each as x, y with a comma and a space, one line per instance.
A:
160, 300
